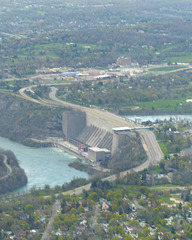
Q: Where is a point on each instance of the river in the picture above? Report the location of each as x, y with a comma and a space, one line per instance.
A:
153, 118
43, 165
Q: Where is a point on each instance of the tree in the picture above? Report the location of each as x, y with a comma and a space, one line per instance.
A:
68, 221
128, 237
81, 209
29, 208
180, 206
7, 222
173, 230
113, 222
114, 207
92, 196
144, 233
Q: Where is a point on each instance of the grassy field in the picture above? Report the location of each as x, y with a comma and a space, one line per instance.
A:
183, 59
5, 91
164, 69
164, 186
163, 148
167, 105
166, 200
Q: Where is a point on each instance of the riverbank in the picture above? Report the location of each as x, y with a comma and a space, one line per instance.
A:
43, 166
159, 118
84, 168
83, 164
151, 112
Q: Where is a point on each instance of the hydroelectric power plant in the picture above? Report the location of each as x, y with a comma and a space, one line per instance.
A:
93, 134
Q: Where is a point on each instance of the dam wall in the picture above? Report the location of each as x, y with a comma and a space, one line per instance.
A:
100, 123
81, 128
73, 123
96, 137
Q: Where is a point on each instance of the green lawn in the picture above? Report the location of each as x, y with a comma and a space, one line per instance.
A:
167, 105
6, 91
168, 68
164, 186
183, 59
91, 46
166, 200
163, 148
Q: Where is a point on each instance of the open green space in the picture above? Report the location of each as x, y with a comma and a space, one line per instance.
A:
5, 91
186, 58
90, 46
167, 105
168, 68
166, 200
166, 186
163, 147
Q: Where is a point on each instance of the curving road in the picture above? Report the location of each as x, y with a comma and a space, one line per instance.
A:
9, 169
153, 151
111, 119
151, 146
148, 139
153, 157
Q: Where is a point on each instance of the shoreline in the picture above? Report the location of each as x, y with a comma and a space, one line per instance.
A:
89, 167
151, 112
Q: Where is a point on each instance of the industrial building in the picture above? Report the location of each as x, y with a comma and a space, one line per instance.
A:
123, 61
96, 154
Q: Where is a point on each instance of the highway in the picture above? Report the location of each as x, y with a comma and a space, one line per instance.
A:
152, 156
148, 139
150, 145
112, 119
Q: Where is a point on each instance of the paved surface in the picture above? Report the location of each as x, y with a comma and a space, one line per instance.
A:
22, 93
154, 154
141, 167
55, 210
153, 151
111, 119
151, 146
149, 142
9, 169
148, 139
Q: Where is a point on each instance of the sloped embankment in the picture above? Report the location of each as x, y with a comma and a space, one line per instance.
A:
11, 175
21, 120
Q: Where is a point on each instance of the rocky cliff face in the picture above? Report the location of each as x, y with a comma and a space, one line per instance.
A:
20, 119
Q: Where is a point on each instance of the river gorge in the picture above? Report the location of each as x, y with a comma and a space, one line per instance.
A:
43, 165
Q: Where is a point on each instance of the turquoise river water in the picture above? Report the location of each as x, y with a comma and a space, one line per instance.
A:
43, 165
153, 118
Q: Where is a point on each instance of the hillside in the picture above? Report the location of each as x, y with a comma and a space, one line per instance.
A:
11, 175
21, 120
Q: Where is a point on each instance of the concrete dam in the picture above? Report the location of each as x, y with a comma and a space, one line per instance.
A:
99, 129
81, 128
